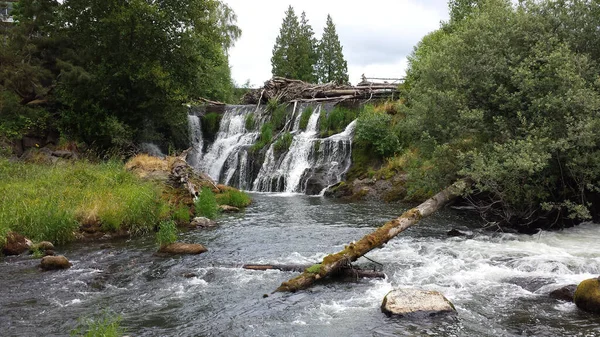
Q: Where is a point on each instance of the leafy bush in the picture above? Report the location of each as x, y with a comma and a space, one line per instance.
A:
376, 131
206, 204
305, 117
283, 143
167, 233
234, 198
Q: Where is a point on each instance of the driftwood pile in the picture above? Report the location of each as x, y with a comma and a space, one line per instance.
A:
288, 90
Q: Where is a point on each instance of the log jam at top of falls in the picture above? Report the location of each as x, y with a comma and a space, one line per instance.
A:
310, 164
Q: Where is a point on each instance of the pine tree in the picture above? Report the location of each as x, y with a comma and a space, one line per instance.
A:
331, 67
285, 56
306, 52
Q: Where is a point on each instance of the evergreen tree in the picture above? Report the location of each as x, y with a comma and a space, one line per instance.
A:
307, 52
332, 67
284, 58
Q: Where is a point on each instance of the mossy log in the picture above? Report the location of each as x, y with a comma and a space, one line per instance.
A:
333, 263
345, 272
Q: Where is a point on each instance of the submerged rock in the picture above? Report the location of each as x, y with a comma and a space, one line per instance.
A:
460, 232
16, 244
404, 302
202, 222
179, 248
54, 263
587, 295
229, 209
42, 246
565, 293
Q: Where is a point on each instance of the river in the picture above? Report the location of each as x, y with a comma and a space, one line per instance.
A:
498, 282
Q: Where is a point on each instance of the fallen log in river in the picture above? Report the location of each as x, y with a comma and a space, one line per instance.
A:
332, 264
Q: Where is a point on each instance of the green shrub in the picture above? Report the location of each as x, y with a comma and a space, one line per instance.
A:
250, 122
234, 198
206, 204
279, 117
376, 130
266, 135
283, 143
305, 117
167, 233
106, 325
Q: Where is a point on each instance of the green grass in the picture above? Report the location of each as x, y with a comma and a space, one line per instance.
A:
250, 123
181, 215
233, 198
283, 143
336, 120
305, 117
210, 124
266, 136
44, 202
106, 325
167, 233
206, 204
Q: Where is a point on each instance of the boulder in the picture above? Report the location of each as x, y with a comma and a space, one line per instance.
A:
587, 295
16, 244
179, 248
202, 222
54, 263
44, 245
403, 302
565, 293
64, 154
229, 209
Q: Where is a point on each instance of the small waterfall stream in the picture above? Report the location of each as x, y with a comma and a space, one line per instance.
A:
309, 165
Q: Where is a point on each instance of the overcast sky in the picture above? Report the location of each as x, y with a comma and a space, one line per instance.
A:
376, 35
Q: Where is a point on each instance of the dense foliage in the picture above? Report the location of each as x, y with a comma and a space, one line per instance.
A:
113, 73
298, 55
507, 95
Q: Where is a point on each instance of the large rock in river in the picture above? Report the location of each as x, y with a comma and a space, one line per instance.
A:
587, 295
565, 293
54, 263
403, 302
201, 222
179, 248
16, 244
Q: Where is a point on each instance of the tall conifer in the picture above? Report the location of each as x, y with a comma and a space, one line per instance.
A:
331, 67
285, 56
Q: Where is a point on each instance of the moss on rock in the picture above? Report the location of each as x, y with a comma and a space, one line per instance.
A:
587, 295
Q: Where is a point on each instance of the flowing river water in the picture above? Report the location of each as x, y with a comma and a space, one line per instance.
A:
498, 282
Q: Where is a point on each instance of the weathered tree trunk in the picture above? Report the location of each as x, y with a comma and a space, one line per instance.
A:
333, 263
345, 272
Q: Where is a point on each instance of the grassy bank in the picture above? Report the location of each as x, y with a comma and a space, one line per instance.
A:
46, 202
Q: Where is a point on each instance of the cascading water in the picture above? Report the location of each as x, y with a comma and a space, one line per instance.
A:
196, 140
309, 165
233, 139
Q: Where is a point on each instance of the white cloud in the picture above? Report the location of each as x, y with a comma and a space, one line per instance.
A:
376, 35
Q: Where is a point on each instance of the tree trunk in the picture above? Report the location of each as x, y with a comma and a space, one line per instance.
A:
333, 263
352, 273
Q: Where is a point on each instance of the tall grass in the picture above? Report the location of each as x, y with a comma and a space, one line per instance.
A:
206, 204
46, 202
167, 233
305, 117
283, 143
234, 198
336, 120
266, 135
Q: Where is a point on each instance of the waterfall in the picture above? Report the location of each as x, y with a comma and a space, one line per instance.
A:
231, 139
196, 140
310, 165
